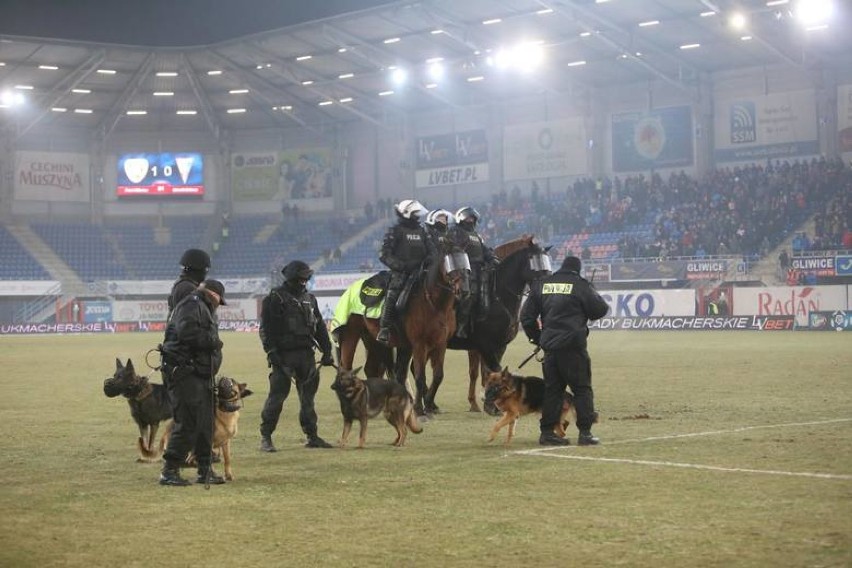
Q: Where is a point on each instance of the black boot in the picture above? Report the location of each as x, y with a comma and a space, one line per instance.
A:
551, 439
386, 319
171, 476
317, 442
586, 439
207, 475
266, 444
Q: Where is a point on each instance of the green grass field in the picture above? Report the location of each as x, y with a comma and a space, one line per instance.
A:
768, 482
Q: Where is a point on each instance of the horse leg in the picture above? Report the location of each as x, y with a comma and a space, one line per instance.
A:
349, 336
400, 370
437, 361
473, 371
420, 381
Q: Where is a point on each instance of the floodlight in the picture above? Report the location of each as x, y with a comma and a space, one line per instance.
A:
737, 21
436, 71
399, 76
811, 12
11, 98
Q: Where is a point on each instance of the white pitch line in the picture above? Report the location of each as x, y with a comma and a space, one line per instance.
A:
548, 452
691, 435
699, 466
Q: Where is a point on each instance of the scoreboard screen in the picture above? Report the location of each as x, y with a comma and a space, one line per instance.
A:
166, 174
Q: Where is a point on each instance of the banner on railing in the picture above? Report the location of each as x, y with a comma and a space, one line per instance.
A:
158, 310
649, 303
30, 288
797, 301
696, 323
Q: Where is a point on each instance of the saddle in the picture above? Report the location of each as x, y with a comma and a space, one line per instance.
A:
374, 288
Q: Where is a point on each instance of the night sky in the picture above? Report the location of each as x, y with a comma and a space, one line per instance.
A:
162, 23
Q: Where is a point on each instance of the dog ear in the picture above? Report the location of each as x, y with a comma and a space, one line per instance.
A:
506, 370
118, 365
129, 366
244, 392
355, 371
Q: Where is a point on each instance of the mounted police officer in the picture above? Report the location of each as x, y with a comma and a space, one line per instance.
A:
291, 326
405, 247
437, 227
482, 263
195, 263
565, 302
192, 355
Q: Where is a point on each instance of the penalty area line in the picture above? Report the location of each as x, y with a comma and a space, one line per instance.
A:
696, 466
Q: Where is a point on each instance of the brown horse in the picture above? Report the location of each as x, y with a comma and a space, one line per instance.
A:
422, 331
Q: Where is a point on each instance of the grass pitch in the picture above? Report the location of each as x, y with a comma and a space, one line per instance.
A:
764, 479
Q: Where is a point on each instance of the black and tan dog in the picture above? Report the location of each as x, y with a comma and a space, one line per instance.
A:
149, 405
517, 396
362, 399
229, 396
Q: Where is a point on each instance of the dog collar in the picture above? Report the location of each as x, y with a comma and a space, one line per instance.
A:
146, 391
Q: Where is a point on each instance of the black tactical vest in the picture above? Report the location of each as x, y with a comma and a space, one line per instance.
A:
293, 319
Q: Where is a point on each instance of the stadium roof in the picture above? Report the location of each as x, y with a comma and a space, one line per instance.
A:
327, 66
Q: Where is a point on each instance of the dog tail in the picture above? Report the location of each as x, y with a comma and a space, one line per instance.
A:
413, 424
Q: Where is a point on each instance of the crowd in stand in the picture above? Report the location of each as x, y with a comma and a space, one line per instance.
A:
745, 211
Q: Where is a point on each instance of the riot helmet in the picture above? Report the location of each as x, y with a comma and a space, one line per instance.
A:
195, 260
297, 274
467, 217
409, 209
439, 217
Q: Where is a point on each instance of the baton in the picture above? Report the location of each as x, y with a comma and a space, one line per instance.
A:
530, 356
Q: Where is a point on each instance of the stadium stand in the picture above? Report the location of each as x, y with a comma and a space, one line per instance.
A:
16, 263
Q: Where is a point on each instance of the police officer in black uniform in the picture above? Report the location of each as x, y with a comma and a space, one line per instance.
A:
192, 355
194, 266
438, 229
482, 266
405, 247
566, 302
291, 325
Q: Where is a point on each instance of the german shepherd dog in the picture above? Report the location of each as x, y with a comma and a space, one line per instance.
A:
517, 396
149, 405
362, 399
229, 396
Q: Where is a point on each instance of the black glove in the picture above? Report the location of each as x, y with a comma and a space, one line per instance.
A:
535, 338
327, 360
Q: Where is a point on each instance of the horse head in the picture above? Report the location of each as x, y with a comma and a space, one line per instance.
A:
451, 272
522, 261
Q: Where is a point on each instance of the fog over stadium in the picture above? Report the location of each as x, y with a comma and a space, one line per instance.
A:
696, 155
